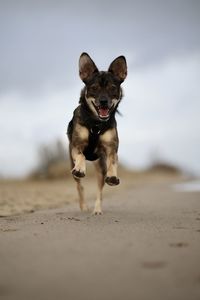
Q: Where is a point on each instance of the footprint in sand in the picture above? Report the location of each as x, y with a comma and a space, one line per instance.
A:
154, 264
179, 245
8, 229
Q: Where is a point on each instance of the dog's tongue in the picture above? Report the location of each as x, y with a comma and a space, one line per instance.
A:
103, 112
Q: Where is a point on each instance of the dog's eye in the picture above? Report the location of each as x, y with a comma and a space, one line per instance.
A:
94, 88
113, 88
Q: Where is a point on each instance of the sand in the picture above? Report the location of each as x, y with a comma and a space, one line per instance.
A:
146, 245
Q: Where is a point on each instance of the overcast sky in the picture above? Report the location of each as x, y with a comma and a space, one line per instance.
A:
40, 44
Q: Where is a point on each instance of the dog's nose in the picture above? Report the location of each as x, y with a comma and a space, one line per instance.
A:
104, 102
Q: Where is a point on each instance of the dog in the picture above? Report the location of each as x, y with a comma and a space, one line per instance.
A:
92, 132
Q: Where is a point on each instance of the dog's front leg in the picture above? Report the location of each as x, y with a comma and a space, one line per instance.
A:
111, 162
79, 142
79, 169
109, 142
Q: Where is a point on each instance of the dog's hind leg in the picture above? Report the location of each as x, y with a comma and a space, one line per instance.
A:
100, 172
80, 189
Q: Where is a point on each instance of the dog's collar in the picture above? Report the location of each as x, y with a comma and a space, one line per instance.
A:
92, 131
97, 130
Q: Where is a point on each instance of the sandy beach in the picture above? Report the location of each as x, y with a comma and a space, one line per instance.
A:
146, 245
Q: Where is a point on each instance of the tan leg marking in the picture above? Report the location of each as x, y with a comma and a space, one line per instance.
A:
111, 163
79, 141
100, 184
110, 141
109, 136
82, 203
81, 132
79, 163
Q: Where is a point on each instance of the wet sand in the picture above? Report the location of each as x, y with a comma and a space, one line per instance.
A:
146, 245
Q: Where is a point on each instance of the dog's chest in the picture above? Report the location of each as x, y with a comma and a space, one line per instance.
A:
91, 151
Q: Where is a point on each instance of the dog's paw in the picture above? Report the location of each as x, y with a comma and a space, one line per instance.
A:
84, 208
97, 212
113, 180
78, 174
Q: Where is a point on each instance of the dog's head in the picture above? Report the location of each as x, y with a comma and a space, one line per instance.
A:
102, 91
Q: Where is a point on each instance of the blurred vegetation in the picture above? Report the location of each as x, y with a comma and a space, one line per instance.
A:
160, 165
54, 163
163, 167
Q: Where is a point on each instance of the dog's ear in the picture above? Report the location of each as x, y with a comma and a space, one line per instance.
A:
86, 67
119, 68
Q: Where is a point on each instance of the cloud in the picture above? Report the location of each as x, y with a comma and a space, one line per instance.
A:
41, 40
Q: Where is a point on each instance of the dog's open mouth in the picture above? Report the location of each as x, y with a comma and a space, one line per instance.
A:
103, 112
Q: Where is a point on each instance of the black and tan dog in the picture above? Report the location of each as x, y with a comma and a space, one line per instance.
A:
92, 132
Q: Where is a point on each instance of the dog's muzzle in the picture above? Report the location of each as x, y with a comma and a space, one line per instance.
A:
103, 110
